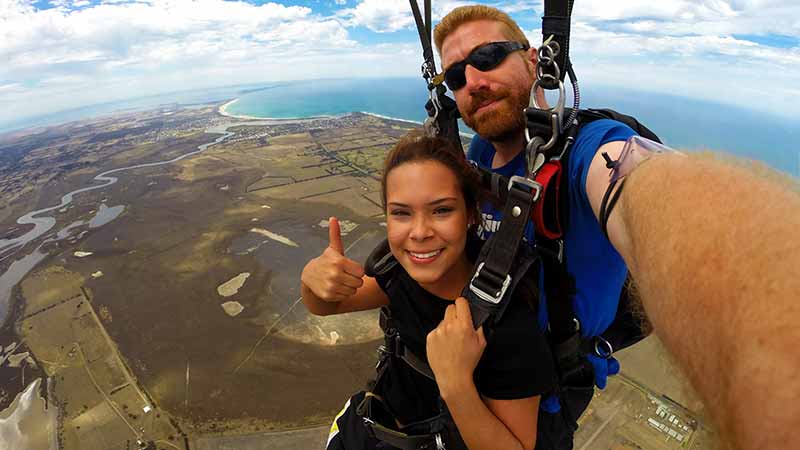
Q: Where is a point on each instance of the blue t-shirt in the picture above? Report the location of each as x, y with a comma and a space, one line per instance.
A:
597, 267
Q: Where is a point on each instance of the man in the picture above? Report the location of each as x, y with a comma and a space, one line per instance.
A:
720, 286
491, 102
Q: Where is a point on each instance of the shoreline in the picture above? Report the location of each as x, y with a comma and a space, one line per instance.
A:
223, 110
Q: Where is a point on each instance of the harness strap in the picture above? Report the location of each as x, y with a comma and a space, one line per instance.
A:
372, 409
393, 345
423, 28
556, 23
546, 211
492, 276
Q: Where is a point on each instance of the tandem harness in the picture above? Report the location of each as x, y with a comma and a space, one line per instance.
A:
541, 197
488, 307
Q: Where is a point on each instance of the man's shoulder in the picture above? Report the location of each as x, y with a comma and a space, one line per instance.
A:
594, 135
604, 131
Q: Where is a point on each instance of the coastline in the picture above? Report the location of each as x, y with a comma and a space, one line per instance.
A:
223, 110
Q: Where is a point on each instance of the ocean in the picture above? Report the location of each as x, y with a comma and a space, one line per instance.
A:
680, 122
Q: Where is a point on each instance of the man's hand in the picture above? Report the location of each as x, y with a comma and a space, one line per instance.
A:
333, 277
454, 349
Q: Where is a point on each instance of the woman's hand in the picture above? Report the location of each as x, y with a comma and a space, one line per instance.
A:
333, 277
454, 349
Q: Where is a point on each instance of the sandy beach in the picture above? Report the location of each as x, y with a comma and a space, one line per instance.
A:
223, 110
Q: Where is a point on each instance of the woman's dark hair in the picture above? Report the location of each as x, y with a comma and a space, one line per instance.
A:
415, 146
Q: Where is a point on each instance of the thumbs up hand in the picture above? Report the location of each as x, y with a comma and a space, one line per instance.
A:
331, 276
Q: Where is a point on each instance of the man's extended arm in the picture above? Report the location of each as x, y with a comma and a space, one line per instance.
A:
715, 252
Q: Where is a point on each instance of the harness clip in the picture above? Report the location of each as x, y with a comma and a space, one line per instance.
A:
535, 187
494, 299
439, 442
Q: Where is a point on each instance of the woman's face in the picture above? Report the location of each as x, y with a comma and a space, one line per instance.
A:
427, 224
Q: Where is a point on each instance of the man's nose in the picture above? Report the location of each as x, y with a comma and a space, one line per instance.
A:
476, 80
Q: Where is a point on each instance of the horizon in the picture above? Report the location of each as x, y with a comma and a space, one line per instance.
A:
71, 54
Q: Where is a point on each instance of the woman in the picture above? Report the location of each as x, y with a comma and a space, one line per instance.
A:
431, 197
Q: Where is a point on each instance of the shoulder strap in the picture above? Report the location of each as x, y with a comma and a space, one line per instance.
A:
495, 274
442, 110
591, 114
380, 261
556, 24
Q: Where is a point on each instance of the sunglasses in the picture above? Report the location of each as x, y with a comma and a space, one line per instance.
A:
484, 58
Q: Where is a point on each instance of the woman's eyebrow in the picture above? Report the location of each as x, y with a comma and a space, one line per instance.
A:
433, 203
442, 200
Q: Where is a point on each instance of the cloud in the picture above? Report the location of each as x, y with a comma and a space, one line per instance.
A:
67, 57
76, 53
380, 16
158, 44
386, 16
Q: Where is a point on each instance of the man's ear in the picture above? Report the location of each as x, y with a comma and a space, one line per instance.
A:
533, 59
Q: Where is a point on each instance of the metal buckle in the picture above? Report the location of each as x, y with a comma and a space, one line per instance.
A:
533, 185
439, 442
494, 299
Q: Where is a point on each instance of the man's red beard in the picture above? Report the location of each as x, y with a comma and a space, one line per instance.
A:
506, 118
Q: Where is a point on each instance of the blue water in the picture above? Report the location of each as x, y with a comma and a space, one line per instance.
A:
680, 122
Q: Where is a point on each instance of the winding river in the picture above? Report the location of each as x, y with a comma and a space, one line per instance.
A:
41, 225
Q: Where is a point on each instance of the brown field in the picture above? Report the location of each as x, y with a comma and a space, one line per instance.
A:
185, 230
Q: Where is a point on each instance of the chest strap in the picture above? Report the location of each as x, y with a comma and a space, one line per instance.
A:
545, 213
394, 346
503, 261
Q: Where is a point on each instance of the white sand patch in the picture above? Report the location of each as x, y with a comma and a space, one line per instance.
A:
82, 254
274, 236
27, 423
232, 286
232, 308
97, 274
345, 226
334, 337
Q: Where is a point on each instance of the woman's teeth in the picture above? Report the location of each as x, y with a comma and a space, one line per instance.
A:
426, 255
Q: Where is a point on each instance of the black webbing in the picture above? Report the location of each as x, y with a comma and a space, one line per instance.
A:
424, 30
607, 204
556, 23
502, 252
374, 411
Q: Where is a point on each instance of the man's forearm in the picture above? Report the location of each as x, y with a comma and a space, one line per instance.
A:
715, 252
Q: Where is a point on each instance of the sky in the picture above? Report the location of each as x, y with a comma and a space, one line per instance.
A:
62, 54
